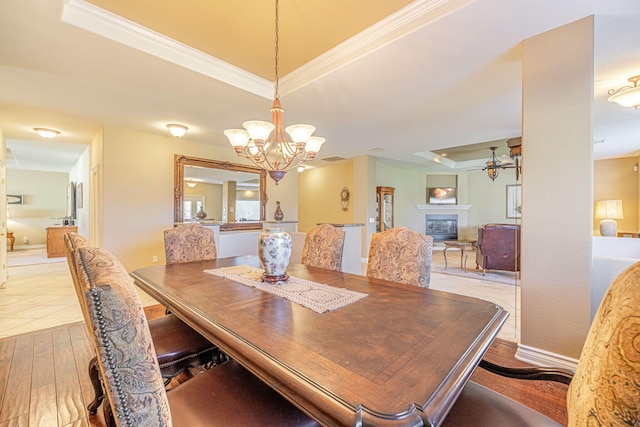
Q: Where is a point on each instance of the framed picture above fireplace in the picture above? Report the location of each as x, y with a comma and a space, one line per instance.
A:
441, 196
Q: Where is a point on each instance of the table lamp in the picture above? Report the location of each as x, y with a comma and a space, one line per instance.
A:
609, 211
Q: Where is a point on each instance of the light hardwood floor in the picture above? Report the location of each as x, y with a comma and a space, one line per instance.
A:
44, 380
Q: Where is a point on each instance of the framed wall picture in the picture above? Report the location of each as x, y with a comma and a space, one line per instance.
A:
514, 201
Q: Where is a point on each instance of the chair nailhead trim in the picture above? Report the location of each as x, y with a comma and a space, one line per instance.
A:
126, 412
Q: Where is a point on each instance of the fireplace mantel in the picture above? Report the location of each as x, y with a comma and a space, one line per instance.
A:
443, 207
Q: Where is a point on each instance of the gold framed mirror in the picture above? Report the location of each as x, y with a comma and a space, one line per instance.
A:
225, 174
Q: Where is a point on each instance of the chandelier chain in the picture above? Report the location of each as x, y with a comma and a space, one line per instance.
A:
277, 95
265, 143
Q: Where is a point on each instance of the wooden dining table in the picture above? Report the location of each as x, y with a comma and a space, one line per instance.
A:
398, 357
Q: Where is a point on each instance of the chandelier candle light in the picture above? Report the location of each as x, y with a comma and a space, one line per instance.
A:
266, 144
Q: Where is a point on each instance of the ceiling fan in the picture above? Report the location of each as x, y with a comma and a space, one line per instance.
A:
494, 165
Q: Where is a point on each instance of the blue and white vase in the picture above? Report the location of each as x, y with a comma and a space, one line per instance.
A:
274, 249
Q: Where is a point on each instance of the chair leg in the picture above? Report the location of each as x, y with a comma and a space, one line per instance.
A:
94, 375
109, 419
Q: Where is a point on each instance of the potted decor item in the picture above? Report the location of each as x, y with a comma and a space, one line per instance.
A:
274, 249
201, 214
278, 214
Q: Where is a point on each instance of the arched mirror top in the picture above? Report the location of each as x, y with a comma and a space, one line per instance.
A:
189, 172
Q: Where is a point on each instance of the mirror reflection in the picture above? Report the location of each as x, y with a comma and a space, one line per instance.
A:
220, 195
229, 194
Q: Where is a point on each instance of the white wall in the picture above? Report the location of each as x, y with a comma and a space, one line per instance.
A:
557, 188
80, 175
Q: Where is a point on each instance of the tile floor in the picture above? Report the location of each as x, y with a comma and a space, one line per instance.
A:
42, 296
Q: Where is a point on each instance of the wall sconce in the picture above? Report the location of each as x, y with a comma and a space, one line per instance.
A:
46, 133
177, 130
301, 168
627, 96
609, 211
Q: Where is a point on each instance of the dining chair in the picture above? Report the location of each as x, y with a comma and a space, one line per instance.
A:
401, 255
605, 388
226, 395
177, 346
189, 243
323, 246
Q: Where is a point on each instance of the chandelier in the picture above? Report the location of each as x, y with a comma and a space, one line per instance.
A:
493, 165
627, 96
265, 143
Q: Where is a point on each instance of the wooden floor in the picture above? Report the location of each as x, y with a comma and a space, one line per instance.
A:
44, 380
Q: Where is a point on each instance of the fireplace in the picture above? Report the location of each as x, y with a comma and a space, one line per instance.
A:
441, 227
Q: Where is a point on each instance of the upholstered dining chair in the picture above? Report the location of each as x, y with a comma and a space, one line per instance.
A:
323, 246
605, 387
226, 395
401, 255
177, 345
189, 243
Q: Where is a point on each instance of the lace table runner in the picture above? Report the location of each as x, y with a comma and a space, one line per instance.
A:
315, 296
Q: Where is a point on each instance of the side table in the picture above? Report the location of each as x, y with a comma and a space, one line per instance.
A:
464, 246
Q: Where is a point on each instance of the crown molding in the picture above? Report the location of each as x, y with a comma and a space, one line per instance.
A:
99, 21
396, 26
407, 20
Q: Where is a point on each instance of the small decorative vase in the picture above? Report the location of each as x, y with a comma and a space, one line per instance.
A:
201, 214
274, 249
278, 215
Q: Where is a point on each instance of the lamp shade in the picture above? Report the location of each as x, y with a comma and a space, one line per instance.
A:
609, 209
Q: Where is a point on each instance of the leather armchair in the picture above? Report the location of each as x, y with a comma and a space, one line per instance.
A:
499, 247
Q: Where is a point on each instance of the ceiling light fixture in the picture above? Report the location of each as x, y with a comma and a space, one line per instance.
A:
493, 165
265, 143
627, 96
177, 130
46, 133
191, 184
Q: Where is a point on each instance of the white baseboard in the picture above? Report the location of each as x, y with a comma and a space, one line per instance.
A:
543, 358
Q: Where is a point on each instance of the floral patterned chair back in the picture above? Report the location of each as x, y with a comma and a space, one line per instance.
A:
605, 388
189, 243
120, 333
73, 241
323, 247
401, 255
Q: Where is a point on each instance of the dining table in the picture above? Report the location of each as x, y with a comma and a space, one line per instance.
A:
387, 354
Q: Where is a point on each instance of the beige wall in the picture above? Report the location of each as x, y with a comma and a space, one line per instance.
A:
212, 198
319, 195
616, 179
316, 186
136, 171
45, 199
488, 199
557, 190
